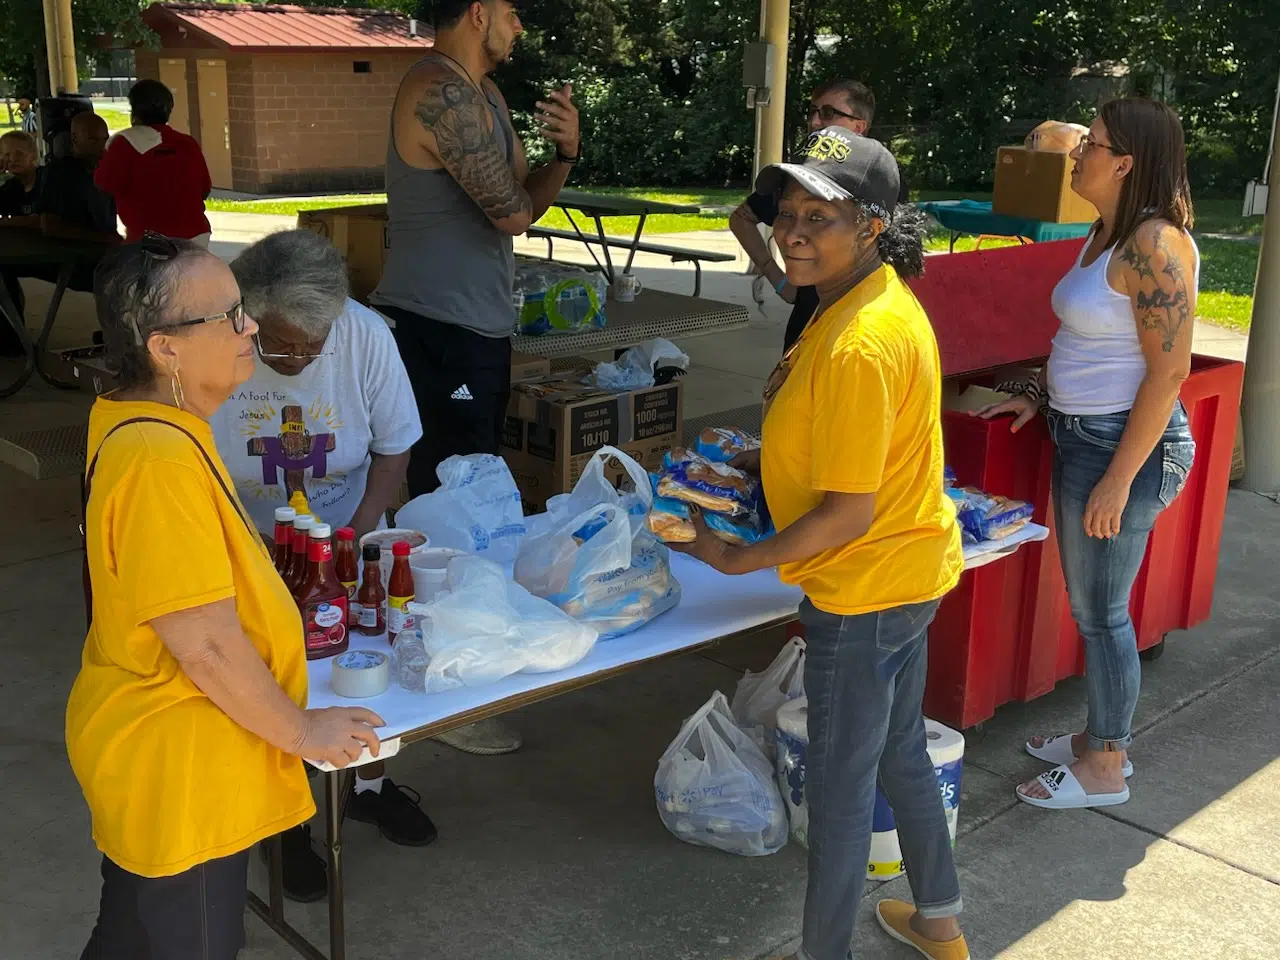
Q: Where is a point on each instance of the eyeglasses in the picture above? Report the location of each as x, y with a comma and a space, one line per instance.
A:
828, 113
257, 339
157, 248
1088, 143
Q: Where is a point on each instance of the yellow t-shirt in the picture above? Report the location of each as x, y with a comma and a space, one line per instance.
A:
170, 779
859, 412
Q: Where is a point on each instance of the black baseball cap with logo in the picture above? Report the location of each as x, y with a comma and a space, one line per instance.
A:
835, 164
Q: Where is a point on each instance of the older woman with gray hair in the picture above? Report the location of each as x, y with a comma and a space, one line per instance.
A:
328, 411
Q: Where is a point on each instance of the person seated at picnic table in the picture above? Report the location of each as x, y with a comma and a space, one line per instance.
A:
1123, 444
187, 722
69, 207
329, 365
852, 466
157, 175
837, 103
19, 158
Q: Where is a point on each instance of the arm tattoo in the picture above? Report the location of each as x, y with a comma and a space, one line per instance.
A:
456, 114
1162, 301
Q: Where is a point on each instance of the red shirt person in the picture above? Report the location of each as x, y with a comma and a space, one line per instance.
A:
158, 176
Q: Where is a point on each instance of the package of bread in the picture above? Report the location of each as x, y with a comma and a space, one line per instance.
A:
1055, 136
670, 521
722, 444
717, 487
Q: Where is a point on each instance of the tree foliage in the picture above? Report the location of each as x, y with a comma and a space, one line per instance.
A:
658, 82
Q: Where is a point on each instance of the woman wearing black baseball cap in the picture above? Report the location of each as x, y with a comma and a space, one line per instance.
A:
852, 467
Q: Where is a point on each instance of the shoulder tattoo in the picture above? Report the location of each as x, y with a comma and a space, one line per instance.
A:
1163, 302
457, 115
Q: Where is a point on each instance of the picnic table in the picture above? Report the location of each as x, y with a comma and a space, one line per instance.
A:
975, 217
22, 247
596, 207
715, 609
653, 313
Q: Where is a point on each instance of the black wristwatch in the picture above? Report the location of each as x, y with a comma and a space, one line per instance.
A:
569, 160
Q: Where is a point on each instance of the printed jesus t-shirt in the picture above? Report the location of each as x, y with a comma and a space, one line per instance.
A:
315, 431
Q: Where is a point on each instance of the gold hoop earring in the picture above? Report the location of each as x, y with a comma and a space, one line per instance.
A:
175, 384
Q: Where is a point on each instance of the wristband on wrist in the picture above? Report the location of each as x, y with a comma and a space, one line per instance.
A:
560, 156
780, 286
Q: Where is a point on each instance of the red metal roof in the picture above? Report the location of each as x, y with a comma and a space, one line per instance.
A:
245, 26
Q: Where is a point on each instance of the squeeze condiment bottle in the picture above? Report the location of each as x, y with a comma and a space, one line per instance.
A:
372, 598
282, 539
322, 599
347, 569
299, 502
399, 592
297, 568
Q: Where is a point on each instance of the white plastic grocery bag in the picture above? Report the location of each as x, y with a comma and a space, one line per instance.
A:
759, 695
714, 787
477, 508
593, 556
482, 627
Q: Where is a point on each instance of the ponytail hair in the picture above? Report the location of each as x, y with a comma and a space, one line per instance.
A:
902, 241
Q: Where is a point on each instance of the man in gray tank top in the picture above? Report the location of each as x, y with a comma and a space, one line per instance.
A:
459, 189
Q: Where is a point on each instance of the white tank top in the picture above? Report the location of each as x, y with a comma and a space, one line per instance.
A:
1096, 363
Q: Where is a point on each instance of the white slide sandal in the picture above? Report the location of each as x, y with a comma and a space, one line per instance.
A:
1058, 750
1065, 793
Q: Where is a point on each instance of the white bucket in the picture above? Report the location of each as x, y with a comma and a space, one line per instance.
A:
385, 539
946, 751
429, 568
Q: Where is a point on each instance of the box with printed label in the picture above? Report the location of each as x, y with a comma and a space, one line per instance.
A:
360, 234
555, 424
525, 366
1036, 184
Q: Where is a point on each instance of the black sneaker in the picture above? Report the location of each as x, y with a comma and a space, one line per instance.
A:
306, 876
396, 811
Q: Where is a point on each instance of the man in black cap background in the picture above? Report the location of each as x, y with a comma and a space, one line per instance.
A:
850, 105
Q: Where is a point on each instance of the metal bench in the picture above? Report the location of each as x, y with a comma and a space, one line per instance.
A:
677, 254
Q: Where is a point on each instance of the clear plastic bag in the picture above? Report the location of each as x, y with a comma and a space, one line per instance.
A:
715, 788
482, 628
759, 695
635, 369
477, 508
592, 553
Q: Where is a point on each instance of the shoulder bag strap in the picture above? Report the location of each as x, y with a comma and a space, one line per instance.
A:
86, 483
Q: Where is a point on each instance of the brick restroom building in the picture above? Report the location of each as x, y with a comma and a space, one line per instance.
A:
284, 99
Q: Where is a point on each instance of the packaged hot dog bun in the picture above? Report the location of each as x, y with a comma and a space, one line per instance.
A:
722, 444
717, 487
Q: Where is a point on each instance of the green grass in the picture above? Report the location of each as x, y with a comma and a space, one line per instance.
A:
117, 117
1227, 273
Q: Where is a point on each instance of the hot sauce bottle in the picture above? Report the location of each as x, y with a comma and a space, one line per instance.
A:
322, 599
282, 539
399, 592
347, 570
297, 567
372, 598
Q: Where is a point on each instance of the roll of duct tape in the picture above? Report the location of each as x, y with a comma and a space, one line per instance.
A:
360, 674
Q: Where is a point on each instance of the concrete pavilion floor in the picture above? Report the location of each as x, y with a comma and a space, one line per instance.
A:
557, 851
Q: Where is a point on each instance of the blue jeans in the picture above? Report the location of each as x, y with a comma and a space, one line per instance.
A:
865, 677
1100, 573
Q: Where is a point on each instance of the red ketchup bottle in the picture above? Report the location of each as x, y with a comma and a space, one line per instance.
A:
399, 592
372, 598
297, 567
282, 539
347, 570
322, 599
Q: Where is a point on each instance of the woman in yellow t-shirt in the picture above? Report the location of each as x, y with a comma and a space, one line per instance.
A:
187, 721
852, 468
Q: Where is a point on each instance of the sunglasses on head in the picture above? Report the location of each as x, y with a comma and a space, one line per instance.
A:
157, 248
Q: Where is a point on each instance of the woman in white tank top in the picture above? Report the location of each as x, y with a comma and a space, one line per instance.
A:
1123, 445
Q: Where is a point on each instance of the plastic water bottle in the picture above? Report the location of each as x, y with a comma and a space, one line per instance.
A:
517, 304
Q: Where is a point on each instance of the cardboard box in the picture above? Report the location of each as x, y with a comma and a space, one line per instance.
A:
360, 234
525, 366
554, 425
1036, 184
